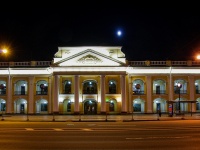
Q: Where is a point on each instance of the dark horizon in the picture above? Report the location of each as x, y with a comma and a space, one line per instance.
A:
148, 33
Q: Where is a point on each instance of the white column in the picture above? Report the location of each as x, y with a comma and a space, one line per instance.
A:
102, 89
170, 86
171, 90
9, 103
149, 93
130, 95
56, 94
123, 94
30, 98
49, 94
192, 92
76, 95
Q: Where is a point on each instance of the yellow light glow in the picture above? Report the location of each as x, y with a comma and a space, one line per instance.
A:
198, 57
4, 50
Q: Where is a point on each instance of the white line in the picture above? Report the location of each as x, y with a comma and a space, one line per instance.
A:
91, 124
87, 129
70, 124
58, 129
29, 129
134, 138
139, 138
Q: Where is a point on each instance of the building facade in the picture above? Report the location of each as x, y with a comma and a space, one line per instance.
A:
98, 80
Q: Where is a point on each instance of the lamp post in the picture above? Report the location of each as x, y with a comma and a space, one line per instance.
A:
27, 118
179, 85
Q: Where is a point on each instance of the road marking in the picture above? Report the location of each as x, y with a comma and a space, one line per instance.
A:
117, 125
87, 129
91, 124
58, 129
70, 124
29, 129
176, 137
134, 138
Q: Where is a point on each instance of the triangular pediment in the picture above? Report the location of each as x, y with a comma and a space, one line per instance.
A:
89, 57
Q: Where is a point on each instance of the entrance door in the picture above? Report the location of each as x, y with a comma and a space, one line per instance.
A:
3, 106
111, 106
137, 107
158, 107
90, 107
22, 108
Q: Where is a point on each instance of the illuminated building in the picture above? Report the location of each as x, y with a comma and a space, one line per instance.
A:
98, 80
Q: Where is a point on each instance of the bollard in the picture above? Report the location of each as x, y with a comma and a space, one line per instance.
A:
79, 116
27, 117
132, 116
158, 116
182, 116
2, 119
53, 117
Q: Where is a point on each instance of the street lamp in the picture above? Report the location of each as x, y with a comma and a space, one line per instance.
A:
3, 51
198, 57
179, 85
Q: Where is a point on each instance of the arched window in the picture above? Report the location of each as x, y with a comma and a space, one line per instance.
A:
21, 87
112, 87
67, 87
2, 105
69, 106
111, 106
42, 87
90, 87
2, 87
138, 86
159, 86
197, 87
182, 89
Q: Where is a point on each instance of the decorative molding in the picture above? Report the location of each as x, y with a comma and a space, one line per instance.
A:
67, 51
89, 59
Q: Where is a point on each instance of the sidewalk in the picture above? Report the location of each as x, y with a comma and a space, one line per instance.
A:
98, 118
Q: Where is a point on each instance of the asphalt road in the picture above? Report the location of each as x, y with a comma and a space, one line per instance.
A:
139, 135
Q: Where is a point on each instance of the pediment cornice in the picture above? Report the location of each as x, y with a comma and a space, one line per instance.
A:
88, 57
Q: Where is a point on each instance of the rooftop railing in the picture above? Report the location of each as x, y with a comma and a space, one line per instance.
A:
164, 63
131, 63
26, 64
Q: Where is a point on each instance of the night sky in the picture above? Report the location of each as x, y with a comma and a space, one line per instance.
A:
149, 32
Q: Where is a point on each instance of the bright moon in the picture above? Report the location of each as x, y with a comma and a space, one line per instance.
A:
119, 33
